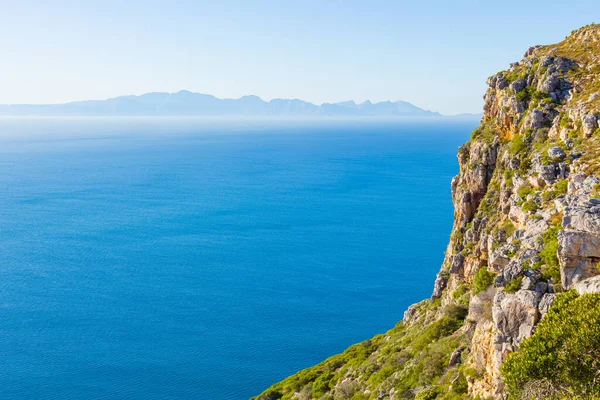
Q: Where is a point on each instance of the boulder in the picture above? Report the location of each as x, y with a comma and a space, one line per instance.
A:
589, 124
550, 84
455, 357
457, 265
535, 119
519, 85
578, 254
546, 302
578, 244
515, 315
440, 284
585, 218
587, 286
557, 153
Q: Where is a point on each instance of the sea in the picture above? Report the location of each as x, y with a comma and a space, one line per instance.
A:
197, 258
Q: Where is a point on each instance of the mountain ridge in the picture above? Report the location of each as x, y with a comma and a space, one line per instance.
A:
187, 103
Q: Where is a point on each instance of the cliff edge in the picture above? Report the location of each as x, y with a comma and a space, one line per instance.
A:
515, 310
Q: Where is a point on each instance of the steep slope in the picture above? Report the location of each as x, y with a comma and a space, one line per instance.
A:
527, 229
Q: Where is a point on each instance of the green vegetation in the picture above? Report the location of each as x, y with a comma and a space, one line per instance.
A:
525, 191
515, 75
548, 255
530, 206
427, 394
559, 189
508, 227
529, 94
484, 133
517, 145
513, 285
405, 358
482, 280
462, 295
562, 359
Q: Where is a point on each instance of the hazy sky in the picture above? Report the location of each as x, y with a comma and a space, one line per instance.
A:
435, 54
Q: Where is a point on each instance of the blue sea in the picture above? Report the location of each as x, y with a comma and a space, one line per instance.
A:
207, 259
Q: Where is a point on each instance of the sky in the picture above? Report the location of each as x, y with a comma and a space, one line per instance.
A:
435, 54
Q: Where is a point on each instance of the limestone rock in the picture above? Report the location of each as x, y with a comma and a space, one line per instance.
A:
591, 285
582, 218
546, 303
557, 153
515, 315
455, 357
440, 284
589, 124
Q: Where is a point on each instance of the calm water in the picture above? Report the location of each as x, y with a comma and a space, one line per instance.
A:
189, 259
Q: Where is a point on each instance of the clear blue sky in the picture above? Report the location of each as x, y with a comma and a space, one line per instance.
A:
435, 54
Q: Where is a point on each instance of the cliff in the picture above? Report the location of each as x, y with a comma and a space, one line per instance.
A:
521, 271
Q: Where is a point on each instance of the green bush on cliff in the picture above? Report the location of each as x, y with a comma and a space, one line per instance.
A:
427, 394
513, 285
548, 255
563, 355
482, 280
518, 145
530, 206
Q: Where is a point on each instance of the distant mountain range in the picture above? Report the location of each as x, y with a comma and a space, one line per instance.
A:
185, 103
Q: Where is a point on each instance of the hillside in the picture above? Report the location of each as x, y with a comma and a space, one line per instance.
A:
185, 103
515, 309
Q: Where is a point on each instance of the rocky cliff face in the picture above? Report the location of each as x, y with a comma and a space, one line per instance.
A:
526, 197
527, 227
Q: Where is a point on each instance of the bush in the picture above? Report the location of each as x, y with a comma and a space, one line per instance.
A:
529, 206
513, 285
564, 351
517, 145
322, 385
525, 191
549, 256
461, 295
460, 386
562, 185
508, 227
440, 328
482, 280
427, 394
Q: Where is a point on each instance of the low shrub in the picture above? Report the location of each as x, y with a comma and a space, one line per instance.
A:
563, 356
482, 280
513, 285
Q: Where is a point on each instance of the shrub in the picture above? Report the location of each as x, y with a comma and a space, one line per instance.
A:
482, 280
322, 385
460, 386
517, 145
508, 227
513, 285
271, 395
480, 307
525, 191
529, 206
564, 352
461, 295
427, 394
440, 328
562, 185
549, 256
